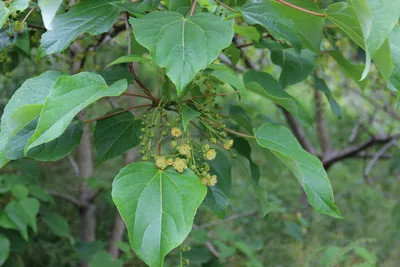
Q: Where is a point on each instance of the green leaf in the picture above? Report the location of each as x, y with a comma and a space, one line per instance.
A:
321, 86
241, 117
38, 192
68, 96
4, 249
247, 31
23, 213
184, 46
6, 222
127, 59
243, 148
233, 53
148, 5
116, 135
394, 80
351, 70
263, 13
19, 5
59, 147
265, 85
103, 259
20, 192
310, 27
219, 196
225, 74
49, 9
57, 224
307, 168
188, 114
4, 12
181, 6
157, 206
89, 16
7, 38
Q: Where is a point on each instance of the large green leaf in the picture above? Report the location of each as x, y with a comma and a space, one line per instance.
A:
394, 80
89, 16
157, 206
23, 213
4, 249
310, 27
265, 85
219, 196
115, 135
68, 96
148, 5
307, 168
262, 12
18, 5
184, 46
49, 9
320, 85
4, 12
57, 224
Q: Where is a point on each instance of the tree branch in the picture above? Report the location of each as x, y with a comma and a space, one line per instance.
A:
66, 197
377, 156
322, 132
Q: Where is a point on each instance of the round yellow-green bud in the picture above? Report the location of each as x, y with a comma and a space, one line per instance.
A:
161, 163
213, 140
176, 132
206, 147
180, 164
184, 150
170, 161
173, 144
213, 180
228, 144
204, 181
210, 154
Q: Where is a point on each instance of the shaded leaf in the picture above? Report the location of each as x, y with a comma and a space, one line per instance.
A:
233, 53
241, 117
219, 196
306, 168
20, 192
4, 249
68, 96
183, 46
247, 31
103, 259
394, 80
148, 5
157, 206
321, 86
188, 114
263, 13
18, 5
265, 85
127, 59
225, 74
116, 135
38, 192
57, 224
4, 12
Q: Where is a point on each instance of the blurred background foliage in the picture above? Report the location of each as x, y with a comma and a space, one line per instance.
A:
291, 235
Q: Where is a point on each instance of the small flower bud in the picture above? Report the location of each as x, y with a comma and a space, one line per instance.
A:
180, 165
210, 154
228, 144
161, 163
176, 132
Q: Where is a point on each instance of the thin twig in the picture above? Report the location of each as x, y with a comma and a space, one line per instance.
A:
29, 13
226, 6
376, 157
301, 9
239, 134
65, 197
212, 249
74, 165
118, 112
193, 8
137, 95
160, 135
204, 96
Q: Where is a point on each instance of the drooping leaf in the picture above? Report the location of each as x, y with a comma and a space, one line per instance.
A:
57, 224
116, 135
20, 192
233, 53
188, 114
89, 16
310, 27
243, 148
241, 117
225, 74
59, 147
4, 12
4, 249
394, 80
184, 46
6, 222
320, 85
247, 31
23, 213
18, 5
126, 59
306, 168
38, 192
219, 196
352, 71
103, 259
157, 206
68, 96
49, 9
181, 6
263, 13
148, 5
266, 86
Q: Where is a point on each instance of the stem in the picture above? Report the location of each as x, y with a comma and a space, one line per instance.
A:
137, 95
118, 112
160, 135
226, 6
239, 134
234, 15
193, 8
29, 13
301, 9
